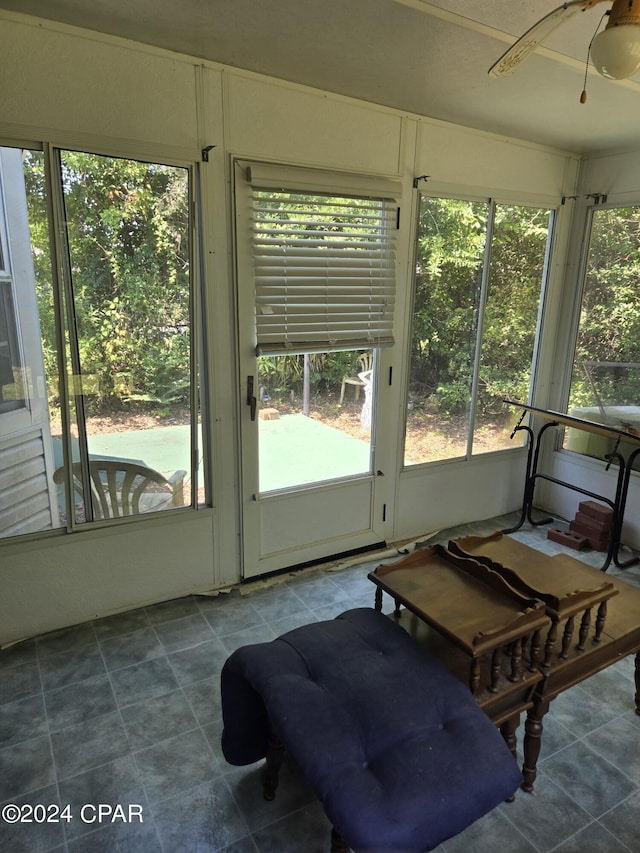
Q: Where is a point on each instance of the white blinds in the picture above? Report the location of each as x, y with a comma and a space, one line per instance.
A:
324, 270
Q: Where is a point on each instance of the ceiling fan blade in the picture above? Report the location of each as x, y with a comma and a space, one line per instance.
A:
528, 42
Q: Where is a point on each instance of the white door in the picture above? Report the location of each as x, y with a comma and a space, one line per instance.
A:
316, 280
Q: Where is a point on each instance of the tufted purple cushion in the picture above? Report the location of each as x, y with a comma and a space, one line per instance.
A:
394, 745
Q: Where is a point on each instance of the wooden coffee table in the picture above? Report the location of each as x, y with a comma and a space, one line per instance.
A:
460, 622
471, 619
569, 589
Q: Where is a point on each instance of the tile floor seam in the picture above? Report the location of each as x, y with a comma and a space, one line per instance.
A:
113, 691
153, 802
505, 813
573, 835
611, 764
98, 767
134, 663
596, 818
124, 728
196, 727
54, 765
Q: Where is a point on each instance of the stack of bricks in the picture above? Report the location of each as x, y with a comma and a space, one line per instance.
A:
593, 521
591, 528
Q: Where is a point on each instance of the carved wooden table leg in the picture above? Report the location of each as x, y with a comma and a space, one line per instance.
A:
532, 736
378, 599
275, 752
508, 731
474, 676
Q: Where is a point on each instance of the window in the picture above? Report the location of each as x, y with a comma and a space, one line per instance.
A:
112, 306
480, 271
317, 255
605, 380
310, 431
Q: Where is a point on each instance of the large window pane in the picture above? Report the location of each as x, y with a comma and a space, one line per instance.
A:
130, 336
510, 321
117, 318
314, 417
475, 321
605, 382
450, 251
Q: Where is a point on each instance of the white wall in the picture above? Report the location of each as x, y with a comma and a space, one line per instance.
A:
616, 175
91, 90
103, 94
454, 156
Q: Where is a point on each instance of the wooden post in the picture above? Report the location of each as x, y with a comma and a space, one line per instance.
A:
306, 383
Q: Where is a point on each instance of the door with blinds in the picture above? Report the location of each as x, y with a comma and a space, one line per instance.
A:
316, 264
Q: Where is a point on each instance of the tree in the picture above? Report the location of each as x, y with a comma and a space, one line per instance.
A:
128, 240
449, 270
451, 241
610, 313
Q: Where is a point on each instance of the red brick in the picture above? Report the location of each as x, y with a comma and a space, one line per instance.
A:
568, 537
596, 510
597, 541
599, 526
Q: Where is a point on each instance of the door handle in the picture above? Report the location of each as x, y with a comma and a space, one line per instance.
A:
251, 398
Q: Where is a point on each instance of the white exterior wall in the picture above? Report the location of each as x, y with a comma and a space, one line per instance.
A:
106, 95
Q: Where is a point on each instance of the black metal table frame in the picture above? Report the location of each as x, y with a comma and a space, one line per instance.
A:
533, 475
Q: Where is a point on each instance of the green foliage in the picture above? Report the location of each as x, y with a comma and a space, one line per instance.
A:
449, 267
610, 315
279, 375
510, 319
127, 226
451, 242
282, 376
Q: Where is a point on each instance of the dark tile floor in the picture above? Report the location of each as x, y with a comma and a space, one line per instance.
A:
125, 711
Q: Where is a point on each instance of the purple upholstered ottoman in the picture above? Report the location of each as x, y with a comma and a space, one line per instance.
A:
394, 746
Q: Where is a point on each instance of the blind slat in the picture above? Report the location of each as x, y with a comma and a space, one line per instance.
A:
324, 270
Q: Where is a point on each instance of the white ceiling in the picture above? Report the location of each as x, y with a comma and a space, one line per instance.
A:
425, 56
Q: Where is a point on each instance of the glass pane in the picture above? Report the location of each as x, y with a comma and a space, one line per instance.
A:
450, 251
510, 322
315, 415
12, 371
128, 237
27, 363
605, 384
